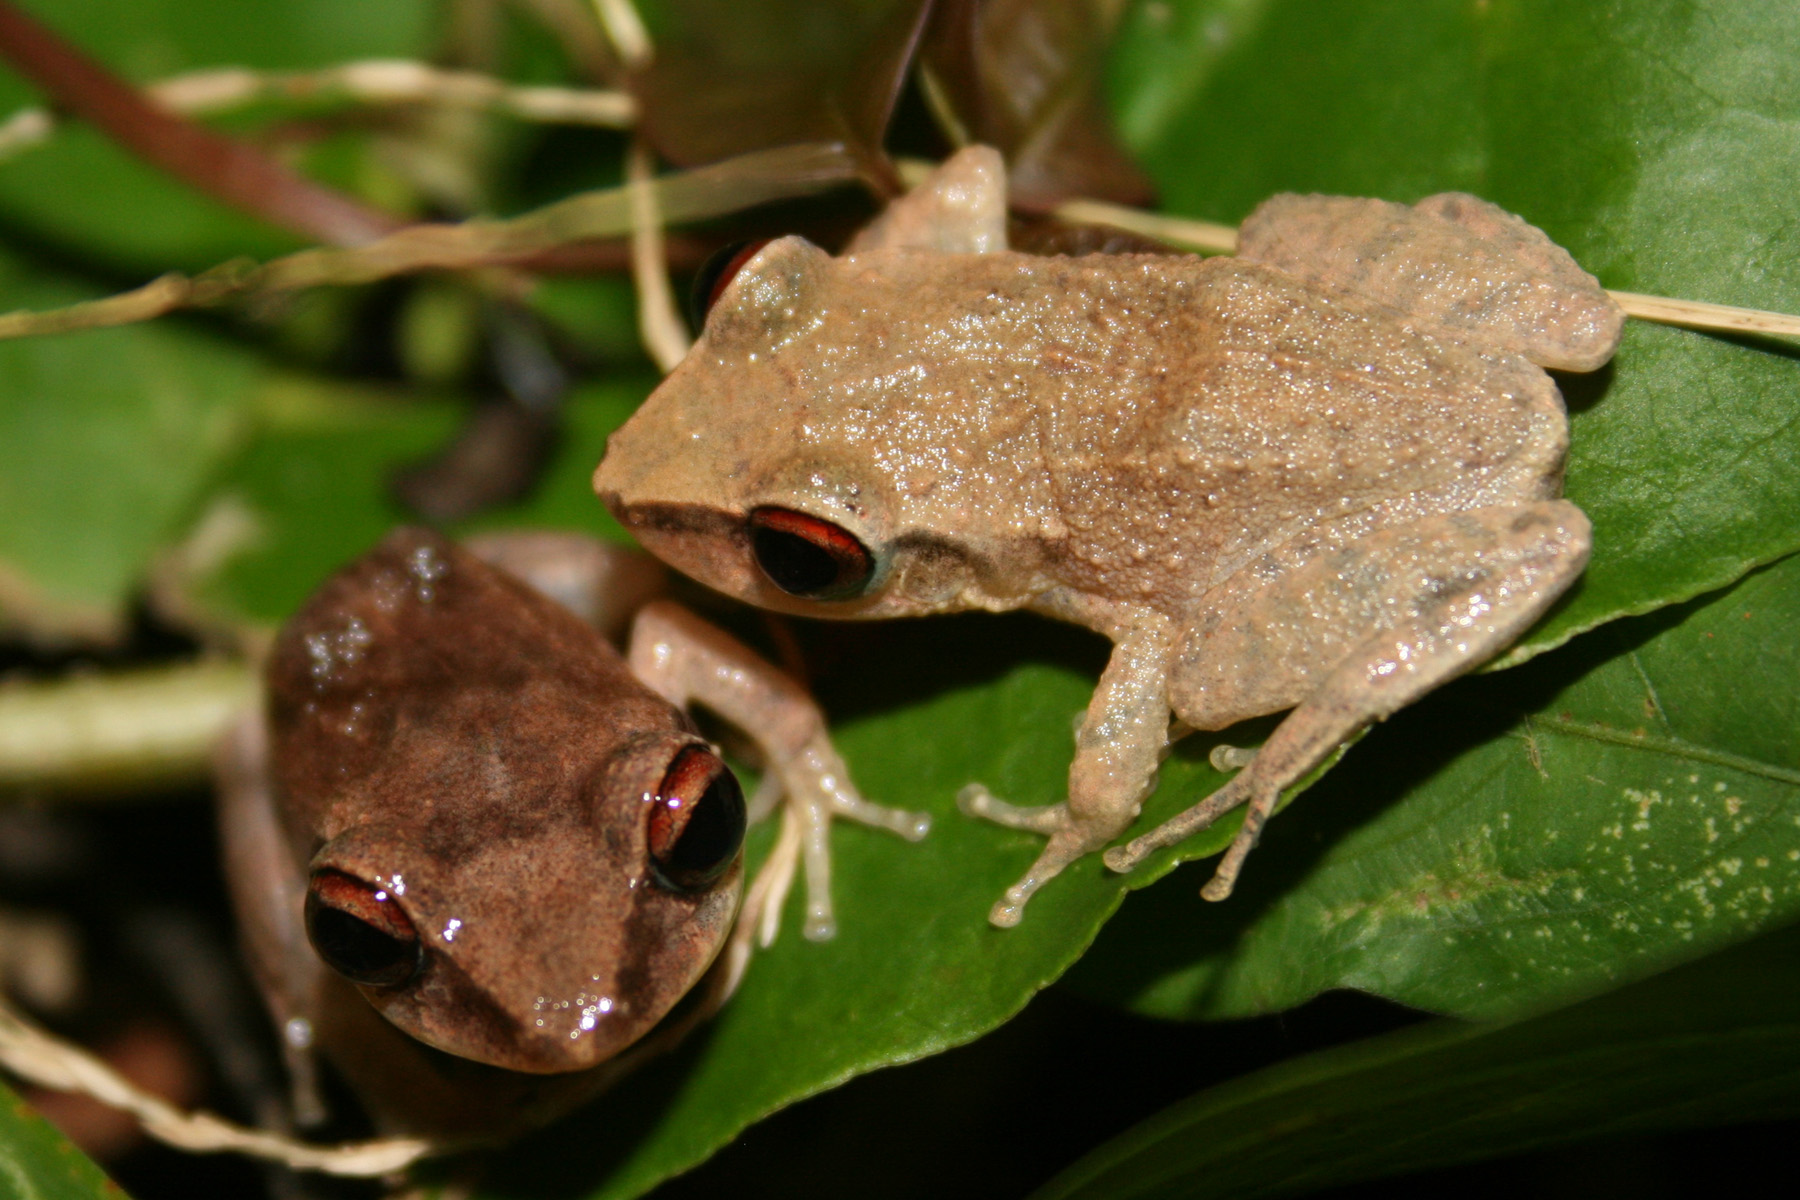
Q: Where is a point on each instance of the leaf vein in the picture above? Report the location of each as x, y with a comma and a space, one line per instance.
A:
1673, 746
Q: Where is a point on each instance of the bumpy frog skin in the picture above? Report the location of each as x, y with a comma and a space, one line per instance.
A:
475, 852
1320, 476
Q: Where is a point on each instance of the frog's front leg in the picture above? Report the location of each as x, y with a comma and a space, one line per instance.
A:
603, 584
1353, 636
690, 661
1118, 748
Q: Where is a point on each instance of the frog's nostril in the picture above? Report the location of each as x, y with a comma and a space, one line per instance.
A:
806, 556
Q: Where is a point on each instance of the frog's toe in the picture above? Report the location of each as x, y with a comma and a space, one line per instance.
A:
1011, 906
1047, 819
1226, 759
1067, 844
1123, 858
821, 924
913, 826
1006, 911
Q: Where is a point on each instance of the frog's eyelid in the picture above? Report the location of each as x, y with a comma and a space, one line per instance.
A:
696, 825
716, 274
360, 931
808, 556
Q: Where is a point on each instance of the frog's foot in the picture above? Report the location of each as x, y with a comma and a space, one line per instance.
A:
1201, 816
1470, 584
1118, 746
818, 790
759, 921
687, 660
1069, 841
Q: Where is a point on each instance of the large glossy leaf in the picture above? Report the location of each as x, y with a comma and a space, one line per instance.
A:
313, 489
36, 1163
1549, 831
1711, 1043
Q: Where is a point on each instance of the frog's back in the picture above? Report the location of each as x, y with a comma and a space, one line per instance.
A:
1196, 412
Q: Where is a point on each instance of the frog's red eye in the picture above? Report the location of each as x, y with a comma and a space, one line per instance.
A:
360, 932
806, 556
696, 822
716, 274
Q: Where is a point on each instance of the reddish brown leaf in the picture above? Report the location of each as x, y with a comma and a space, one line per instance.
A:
729, 77
1022, 76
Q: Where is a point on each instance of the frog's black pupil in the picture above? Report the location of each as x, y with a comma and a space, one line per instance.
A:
356, 949
709, 843
792, 563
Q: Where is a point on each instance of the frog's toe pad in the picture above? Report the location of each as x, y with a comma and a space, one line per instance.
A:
1121, 859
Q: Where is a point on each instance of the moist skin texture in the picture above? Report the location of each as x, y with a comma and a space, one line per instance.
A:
1322, 475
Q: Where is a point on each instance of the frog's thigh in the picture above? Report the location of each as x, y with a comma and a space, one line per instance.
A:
1357, 634
1454, 264
1266, 645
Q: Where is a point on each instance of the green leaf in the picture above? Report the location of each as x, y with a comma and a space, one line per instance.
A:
1711, 1043
307, 493
85, 196
37, 1163
1547, 832
106, 442
905, 976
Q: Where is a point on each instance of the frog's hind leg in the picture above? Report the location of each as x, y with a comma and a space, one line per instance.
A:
1456, 265
1360, 633
1118, 747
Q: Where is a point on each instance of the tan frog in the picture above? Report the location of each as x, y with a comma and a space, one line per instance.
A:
1319, 476
475, 853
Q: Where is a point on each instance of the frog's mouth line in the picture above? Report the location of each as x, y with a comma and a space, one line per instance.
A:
705, 543
680, 520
